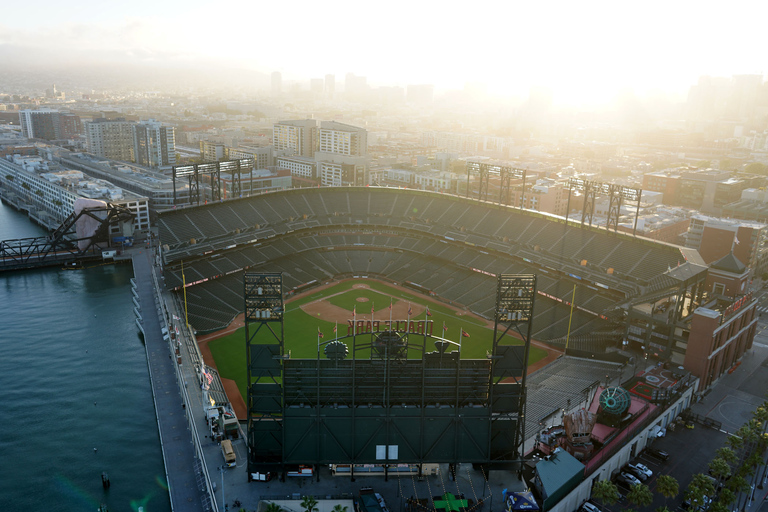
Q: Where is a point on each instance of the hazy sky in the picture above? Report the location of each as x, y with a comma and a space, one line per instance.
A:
584, 51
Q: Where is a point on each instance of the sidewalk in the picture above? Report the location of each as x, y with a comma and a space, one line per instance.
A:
734, 396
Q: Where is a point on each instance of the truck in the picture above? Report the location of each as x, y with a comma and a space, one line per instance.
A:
230, 459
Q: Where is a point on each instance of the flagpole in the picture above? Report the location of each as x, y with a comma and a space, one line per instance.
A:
373, 306
390, 313
570, 318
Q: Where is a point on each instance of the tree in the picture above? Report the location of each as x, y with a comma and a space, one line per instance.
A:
606, 492
668, 487
640, 495
339, 508
719, 469
717, 507
704, 483
274, 507
726, 496
734, 443
699, 488
727, 454
309, 504
738, 483
704, 164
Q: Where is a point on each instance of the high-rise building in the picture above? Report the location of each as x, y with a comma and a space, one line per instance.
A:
112, 139
212, 151
297, 136
343, 139
263, 156
342, 154
277, 83
48, 124
154, 145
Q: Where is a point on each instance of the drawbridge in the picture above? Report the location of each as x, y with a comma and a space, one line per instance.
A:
81, 237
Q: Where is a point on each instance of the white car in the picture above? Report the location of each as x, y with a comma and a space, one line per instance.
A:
641, 468
629, 478
589, 507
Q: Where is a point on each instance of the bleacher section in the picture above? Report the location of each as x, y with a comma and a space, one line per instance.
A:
560, 386
438, 241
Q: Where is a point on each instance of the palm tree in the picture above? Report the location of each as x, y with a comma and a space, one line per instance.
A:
727, 496
606, 492
309, 504
719, 469
717, 507
699, 487
339, 508
668, 487
640, 495
273, 507
727, 454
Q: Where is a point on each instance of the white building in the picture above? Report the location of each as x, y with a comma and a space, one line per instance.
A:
263, 156
154, 145
49, 193
342, 139
300, 137
342, 154
111, 139
301, 167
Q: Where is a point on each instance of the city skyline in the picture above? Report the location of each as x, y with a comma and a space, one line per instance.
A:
585, 54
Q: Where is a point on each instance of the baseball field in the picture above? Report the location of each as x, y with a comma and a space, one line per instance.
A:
320, 310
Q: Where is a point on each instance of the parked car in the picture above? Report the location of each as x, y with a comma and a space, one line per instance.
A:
628, 478
589, 507
640, 469
704, 506
659, 454
636, 473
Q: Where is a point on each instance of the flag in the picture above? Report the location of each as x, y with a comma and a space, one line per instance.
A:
354, 311
176, 318
371, 310
464, 333
390, 304
429, 313
410, 311
445, 327
334, 328
319, 334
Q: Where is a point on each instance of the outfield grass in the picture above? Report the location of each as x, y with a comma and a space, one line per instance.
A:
301, 328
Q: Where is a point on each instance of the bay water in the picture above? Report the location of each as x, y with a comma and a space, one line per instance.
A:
75, 398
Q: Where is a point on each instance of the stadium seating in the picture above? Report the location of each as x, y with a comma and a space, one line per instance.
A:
435, 240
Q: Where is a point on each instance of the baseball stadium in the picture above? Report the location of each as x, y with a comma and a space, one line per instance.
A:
373, 254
